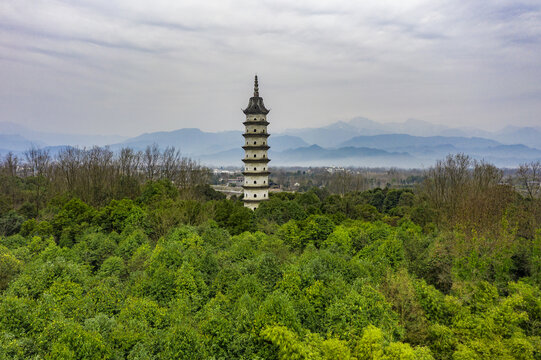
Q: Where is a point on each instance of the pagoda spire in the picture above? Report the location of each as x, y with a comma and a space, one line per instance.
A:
255, 105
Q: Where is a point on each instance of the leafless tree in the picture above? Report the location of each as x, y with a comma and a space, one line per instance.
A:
447, 179
69, 163
151, 158
129, 162
170, 163
529, 175
485, 175
95, 175
37, 161
10, 164
467, 193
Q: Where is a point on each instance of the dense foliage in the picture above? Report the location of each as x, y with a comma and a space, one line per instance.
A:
450, 271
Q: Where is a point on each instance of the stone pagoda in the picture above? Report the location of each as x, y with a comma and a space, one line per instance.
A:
256, 162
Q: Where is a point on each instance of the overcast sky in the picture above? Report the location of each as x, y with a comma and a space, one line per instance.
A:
130, 66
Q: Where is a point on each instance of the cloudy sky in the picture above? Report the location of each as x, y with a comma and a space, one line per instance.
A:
131, 66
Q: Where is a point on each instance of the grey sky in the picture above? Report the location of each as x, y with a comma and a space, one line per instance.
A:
130, 66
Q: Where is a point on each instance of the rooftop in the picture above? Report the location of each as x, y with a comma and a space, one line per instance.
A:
255, 105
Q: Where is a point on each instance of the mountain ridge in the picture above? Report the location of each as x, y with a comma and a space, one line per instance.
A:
357, 142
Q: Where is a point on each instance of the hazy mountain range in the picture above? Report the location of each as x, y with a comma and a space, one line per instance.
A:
339, 132
26, 137
359, 142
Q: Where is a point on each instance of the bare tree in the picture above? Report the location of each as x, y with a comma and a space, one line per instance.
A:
95, 175
151, 158
529, 176
447, 179
37, 160
8, 178
467, 193
10, 164
170, 163
485, 175
38, 163
69, 163
129, 162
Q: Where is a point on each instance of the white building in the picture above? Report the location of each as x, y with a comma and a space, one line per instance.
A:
256, 169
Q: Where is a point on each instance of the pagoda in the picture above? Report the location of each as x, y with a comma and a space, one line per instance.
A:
256, 162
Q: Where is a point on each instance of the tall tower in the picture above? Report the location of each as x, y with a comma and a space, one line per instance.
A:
256, 169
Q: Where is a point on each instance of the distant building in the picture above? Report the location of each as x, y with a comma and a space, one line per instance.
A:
335, 169
256, 171
237, 181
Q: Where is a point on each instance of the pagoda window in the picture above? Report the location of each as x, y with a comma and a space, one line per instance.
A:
255, 182
255, 142
255, 195
254, 155
256, 169
255, 130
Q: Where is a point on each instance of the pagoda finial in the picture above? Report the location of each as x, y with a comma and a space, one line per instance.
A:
255, 105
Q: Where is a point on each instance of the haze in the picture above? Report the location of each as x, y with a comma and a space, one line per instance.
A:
128, 67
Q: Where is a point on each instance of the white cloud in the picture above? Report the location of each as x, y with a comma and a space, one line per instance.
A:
133, 66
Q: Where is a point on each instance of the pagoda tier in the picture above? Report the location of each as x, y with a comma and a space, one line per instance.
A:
256, 122
256, 173
253, 201
256, 135
256, 147
255, 187
253, 161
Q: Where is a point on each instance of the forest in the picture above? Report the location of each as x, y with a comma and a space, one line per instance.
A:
134, 256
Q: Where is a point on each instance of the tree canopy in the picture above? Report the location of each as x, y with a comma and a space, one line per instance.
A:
450, 270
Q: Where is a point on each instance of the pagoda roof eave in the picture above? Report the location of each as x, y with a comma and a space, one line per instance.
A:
255, 107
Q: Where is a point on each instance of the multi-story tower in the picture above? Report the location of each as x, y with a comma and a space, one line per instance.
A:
256, 169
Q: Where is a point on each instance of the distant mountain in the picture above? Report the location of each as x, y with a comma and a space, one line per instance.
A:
402, 142
285, 142
358, 142
189, 141
315, 151
194, 142
17, 143
398, 150
529, 136
522, 152
229, 157
327, 136
413, 127
20, 152
337, 133
56, 139
315, 155
354, 156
